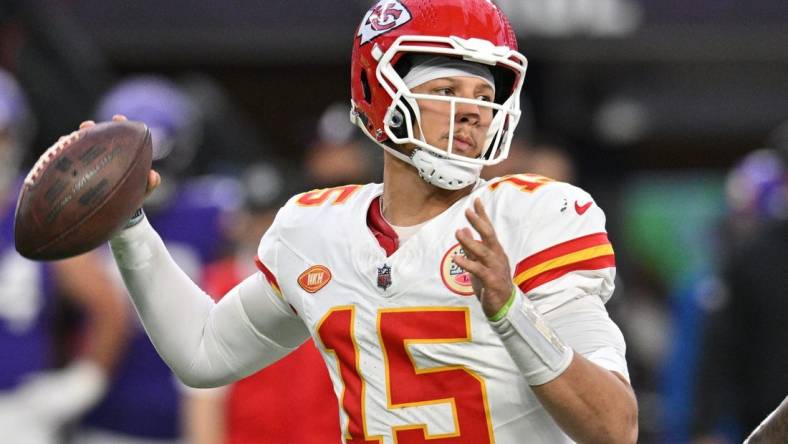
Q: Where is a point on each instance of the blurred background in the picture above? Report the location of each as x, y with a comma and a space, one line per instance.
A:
671, 113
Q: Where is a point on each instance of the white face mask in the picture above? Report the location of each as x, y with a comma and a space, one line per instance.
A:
432, 167
451, 56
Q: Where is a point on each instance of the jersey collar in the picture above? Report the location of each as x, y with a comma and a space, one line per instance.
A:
385, 235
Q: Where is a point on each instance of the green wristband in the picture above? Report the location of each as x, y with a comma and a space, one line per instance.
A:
505, 309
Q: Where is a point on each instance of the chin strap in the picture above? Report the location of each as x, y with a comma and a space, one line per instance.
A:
444, 173
435, 170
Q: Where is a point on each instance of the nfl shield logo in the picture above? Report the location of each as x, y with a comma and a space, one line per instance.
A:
384, 277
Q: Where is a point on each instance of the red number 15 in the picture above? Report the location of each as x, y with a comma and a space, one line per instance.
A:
407, 384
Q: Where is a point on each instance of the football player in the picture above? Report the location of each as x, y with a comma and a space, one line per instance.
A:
446, 308
37, 396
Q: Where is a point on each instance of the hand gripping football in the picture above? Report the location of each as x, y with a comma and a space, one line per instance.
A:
83, 190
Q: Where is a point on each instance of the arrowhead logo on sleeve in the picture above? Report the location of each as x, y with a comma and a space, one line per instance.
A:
314, 278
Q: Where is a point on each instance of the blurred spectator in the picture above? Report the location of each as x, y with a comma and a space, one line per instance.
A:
542, 156
144, 401
264, 408
665, 224
55, 60
228, 140
743, 369
37, 399
17, 126
757, 194
339, 155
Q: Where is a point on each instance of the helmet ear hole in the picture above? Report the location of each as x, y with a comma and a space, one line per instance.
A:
504, 83
403, 65
365, 86
401, 130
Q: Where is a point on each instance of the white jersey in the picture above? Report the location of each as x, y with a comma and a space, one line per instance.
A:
409, 349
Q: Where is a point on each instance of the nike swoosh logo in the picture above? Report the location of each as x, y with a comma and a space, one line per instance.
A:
582, 208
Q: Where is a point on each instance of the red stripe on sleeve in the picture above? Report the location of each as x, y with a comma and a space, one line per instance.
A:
272, 281
596, 263
268, 275
561, 249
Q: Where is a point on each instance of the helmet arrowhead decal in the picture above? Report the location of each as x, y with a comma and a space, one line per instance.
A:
382, 18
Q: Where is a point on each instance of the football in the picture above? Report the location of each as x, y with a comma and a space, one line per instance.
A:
83, 190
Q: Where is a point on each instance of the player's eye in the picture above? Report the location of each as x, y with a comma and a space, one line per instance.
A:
484, 98
443, 91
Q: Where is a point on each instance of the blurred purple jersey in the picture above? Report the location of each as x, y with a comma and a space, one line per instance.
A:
25, 306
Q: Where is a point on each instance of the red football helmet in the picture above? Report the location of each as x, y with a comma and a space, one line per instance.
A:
387, 111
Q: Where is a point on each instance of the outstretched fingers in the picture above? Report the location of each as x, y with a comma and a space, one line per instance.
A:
480, 221
468, 264
474, 249
485, 260
482, 254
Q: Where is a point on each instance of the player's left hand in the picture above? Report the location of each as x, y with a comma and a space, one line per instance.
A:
485, 260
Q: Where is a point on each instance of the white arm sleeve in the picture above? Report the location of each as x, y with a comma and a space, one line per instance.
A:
206, 344
584, 324
541, 344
